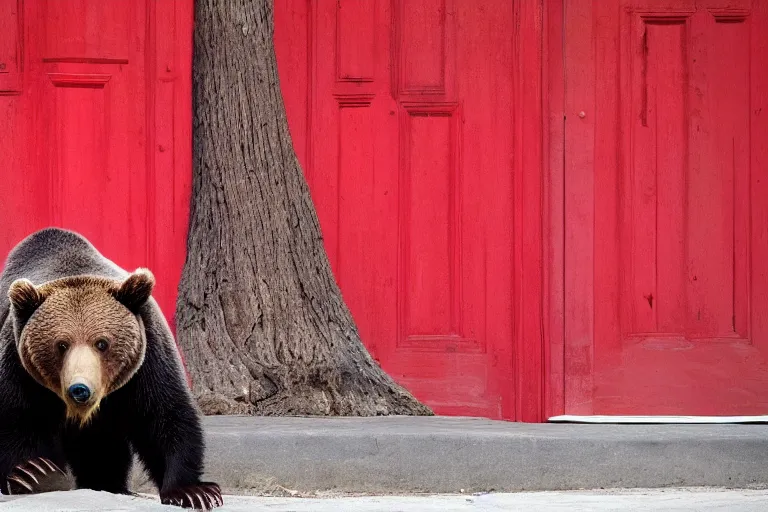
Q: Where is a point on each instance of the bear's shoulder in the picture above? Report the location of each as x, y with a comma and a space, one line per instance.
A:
51, 254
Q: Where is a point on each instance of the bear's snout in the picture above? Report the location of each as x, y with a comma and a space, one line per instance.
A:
79, 392
82, 381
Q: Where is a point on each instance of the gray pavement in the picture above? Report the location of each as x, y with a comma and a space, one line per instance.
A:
401, 455
670, 500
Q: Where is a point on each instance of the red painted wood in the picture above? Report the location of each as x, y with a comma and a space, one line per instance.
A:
553, 132
529, 119
96, 120
428, 190
418, 125
664, 213
578, 207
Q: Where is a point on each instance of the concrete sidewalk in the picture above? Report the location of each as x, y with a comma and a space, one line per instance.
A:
396, 455
673, 500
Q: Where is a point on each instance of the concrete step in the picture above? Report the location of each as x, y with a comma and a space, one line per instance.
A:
394, 455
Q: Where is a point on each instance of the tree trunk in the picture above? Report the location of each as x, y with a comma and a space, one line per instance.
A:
260, 319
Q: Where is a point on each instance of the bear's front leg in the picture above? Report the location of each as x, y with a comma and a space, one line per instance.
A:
174, 462
34, 476
169, 443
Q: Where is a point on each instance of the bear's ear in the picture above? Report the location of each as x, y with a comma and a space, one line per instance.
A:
25, 298
136, 289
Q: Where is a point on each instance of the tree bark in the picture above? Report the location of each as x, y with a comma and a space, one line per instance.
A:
260, 319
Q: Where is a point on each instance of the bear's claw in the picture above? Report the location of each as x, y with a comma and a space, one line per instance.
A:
204, 496
24, 477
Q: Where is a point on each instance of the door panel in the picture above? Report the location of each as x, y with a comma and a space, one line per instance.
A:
408, 141
94, 122
662, 205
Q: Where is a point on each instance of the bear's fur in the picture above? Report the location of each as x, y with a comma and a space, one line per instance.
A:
68, 312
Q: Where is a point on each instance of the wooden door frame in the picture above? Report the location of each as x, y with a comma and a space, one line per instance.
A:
535, 395
567, 366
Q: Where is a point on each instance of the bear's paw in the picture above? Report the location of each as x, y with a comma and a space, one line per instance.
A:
32, 476
203, 496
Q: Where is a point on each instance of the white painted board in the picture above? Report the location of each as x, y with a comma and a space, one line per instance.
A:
570, 418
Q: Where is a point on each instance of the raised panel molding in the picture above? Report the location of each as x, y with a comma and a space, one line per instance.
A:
83, 60
11, 47
423, 60
663, 16
354, 99
652, 252
726, 15
427, 107
436, 261
355, 179
355, 58
684, 278
86, 80
79, 158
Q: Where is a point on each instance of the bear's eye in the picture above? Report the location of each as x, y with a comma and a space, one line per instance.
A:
102, 345
62, 346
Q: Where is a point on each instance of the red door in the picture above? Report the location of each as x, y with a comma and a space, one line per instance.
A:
95, 123
402, 116
666, 217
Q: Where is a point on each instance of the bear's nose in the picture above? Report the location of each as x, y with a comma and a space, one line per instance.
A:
79, 393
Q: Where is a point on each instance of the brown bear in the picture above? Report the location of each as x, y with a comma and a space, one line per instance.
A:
90, 375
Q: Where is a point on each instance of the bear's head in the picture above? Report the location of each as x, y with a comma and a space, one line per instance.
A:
81, 337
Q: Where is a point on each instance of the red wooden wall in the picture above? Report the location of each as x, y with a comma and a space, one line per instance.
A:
409, 117
418, 124
95, 117
531, 207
